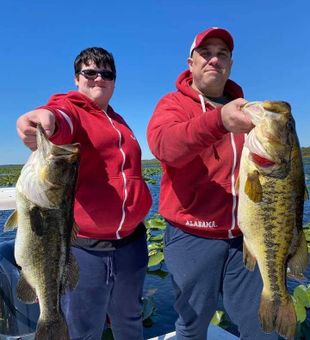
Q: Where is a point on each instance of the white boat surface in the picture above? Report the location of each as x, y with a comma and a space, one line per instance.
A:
7, 198
214, 333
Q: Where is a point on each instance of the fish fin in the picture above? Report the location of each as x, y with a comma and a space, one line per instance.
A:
253, 187
24, 290
237, 185
11, 222
306, 196
71, 275
248, 259
51, 330
286, 320
73, 272
267, 313
280, 317
75, 230
298, 263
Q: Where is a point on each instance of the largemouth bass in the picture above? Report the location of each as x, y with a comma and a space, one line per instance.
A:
271, 199
44, 221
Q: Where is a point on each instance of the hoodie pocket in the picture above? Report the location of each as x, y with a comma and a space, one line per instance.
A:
173, 234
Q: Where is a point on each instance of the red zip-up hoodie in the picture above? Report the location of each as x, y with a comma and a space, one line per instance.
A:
111, 196
200, 161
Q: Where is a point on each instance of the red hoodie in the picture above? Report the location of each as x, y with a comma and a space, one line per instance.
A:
200, 161
112, 197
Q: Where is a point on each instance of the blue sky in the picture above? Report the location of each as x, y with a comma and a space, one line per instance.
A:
150, 41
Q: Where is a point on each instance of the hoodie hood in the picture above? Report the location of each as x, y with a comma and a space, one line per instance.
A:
183, 84
77, 99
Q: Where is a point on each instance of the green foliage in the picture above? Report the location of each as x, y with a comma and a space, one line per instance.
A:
302, 296
305, 151
150, 172
301, 302
307, 234
155, 258
10, 169
155, 228
9, 175
156, 223
150, 180
217, 317
153, 161
8, 181
301, 299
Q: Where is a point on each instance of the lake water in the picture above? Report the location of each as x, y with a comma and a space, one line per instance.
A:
161, 288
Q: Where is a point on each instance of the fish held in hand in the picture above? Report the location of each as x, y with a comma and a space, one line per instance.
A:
44, 221
270, 212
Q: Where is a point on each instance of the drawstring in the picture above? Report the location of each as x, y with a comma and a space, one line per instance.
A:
202, 102
109, 269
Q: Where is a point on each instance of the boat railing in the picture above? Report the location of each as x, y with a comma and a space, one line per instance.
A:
7, 198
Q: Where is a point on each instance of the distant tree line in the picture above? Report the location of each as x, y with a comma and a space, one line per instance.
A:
305, 151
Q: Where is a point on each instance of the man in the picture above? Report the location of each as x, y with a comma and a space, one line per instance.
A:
110, 204
197, 133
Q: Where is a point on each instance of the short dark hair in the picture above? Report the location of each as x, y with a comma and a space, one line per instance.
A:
97, 55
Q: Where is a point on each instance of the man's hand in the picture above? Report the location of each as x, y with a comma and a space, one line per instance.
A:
26, 126
234, 119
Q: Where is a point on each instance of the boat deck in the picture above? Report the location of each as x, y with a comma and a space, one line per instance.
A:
214, 333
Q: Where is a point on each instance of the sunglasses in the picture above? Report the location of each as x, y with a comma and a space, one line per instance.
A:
93, 74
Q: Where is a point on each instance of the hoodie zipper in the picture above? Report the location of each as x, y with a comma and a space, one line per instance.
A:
123, 176
233, 191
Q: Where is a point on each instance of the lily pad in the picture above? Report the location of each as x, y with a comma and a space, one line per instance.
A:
300, 309
217, 317
156, 259
301, 294
156, 223
156, 238
148, 307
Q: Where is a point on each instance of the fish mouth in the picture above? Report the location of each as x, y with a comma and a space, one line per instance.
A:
255, 110
257, 150
47, 148
260, 109
261, 112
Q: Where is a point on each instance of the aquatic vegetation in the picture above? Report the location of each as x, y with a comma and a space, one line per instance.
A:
151, 174
9, 175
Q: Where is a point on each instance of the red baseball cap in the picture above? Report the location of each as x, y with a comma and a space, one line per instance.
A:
213, 32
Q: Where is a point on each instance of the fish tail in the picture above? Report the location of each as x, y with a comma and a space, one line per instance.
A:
286, 319
267, 314
280, 317
52, 330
